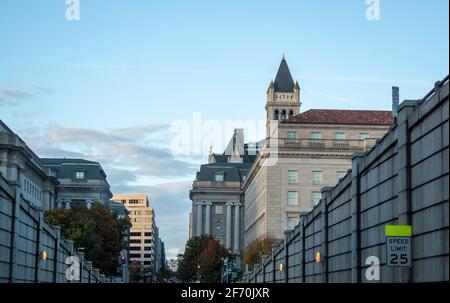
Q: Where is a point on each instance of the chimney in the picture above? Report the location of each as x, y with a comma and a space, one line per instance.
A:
395, 100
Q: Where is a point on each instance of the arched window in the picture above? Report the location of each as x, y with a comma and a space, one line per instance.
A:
275, 115
291, 114
283, 115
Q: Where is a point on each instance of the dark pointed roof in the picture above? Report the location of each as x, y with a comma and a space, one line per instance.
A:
284, 82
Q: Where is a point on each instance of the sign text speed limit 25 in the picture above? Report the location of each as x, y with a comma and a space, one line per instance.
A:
398, 245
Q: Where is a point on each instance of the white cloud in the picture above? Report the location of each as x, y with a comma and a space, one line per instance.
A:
132, 164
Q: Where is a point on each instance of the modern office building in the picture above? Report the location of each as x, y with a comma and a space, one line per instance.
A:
81, 182
303, 152
143, 229
160, 254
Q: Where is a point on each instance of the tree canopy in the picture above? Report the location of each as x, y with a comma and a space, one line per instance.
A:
97, 231
203, 259
255, 250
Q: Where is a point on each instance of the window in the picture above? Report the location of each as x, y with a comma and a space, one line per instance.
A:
291, 112
79, 175
292, 135
147, 255
292, 176
315, 197
147, 248
275, 115
340, 136
283, 115
148, 234
135, 255
292, 198
135, 241
315, 135
133, 201
136, 234
218, 177
148, 263
317, 177
148, 241
340, 175
135, 248
291, 222
219, 209
363, 136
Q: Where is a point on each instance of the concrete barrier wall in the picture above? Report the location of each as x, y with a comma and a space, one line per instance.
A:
25, 235
403, 180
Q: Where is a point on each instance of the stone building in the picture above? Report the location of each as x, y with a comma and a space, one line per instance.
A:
217, 200
25, 172
304, 152
143, 229
81, 181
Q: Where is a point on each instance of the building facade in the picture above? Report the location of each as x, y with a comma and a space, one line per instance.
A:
160, 254
304, 152
81, 182
143, 229
25, 172
217, 200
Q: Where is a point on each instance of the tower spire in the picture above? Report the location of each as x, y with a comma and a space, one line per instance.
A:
283, 81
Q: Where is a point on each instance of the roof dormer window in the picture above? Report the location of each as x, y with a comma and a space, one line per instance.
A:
79, 174
219, 177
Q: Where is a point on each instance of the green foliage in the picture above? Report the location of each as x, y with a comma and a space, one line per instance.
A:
259, 247
138, 272
97, 231
206, 252
164, 274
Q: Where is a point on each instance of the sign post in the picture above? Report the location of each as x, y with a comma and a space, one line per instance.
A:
398, 245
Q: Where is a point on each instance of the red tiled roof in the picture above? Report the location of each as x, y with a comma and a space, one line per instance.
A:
339, 116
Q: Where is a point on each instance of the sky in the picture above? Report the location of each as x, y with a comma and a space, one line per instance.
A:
126, 84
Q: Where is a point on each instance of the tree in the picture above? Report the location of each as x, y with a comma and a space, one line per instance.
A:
211, 260
164, 274
138, 272
173, 265
96, 230
255, 250
202, 259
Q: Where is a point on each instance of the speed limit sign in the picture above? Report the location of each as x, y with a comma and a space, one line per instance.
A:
398, 245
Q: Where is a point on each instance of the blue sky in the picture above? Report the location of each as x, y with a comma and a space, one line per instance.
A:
132, 67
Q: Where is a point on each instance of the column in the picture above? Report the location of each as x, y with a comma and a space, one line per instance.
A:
237, 219
405, 110
228, 229
208, 218
355, 211
67, 204
194, 219
199, 218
